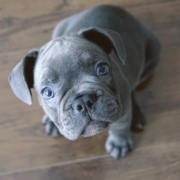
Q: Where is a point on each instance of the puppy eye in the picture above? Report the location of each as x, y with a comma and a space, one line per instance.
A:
48, 93
102, 69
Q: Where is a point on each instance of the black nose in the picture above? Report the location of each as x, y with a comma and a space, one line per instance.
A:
78, 106
89, 100
83, 103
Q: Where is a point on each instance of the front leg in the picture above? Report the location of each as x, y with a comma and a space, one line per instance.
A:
50, 127
120, 139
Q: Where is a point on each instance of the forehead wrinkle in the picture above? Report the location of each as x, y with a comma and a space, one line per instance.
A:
85, 56
49, 75
49, 47
90, 56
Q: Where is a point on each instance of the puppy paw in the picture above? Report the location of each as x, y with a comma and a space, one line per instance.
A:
119, 145
50, 127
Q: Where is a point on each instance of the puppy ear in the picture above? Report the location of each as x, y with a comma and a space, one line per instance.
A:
21, 77
106, 39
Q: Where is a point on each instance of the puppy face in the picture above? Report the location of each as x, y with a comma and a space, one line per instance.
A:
74, 81
77, 83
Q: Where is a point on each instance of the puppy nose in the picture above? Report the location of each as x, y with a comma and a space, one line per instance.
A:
89, 100
81, 104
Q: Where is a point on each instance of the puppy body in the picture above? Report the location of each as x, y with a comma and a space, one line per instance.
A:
82, 102
139, 42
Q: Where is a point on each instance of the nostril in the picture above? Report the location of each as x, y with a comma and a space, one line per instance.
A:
89, 100
89, 104
79, 108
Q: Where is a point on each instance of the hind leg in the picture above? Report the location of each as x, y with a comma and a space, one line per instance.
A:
152, 55
138, 118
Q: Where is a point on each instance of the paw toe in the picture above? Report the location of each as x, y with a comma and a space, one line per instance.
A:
49, 127
108, 146
115, 152
45, 120
124, 151
55, 132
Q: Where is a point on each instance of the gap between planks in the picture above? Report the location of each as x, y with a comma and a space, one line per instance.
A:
87, 159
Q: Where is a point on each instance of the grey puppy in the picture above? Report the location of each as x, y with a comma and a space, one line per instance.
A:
85, 77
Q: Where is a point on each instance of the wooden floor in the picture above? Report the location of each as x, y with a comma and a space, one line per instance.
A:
27, 153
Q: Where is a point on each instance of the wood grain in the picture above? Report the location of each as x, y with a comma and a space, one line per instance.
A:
29, 25
27, 152
148, 163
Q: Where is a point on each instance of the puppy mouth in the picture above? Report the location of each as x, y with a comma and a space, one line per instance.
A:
94, 127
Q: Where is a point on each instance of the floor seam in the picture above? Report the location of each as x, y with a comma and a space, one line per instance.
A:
84, 159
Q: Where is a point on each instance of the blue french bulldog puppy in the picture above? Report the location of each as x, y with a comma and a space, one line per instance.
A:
85, 77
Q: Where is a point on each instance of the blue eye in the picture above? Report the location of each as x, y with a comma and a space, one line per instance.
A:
102, 69
48, 93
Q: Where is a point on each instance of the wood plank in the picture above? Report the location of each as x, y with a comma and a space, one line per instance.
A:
160, 162
31, 30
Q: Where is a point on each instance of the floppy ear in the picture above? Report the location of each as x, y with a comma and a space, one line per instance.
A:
107, 39
21, 77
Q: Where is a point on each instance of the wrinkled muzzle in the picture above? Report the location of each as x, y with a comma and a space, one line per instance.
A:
87, 112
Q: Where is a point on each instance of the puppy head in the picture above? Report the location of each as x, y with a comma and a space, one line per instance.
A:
74, 79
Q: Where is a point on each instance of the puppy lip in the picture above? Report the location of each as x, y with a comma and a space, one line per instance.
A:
94, 127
